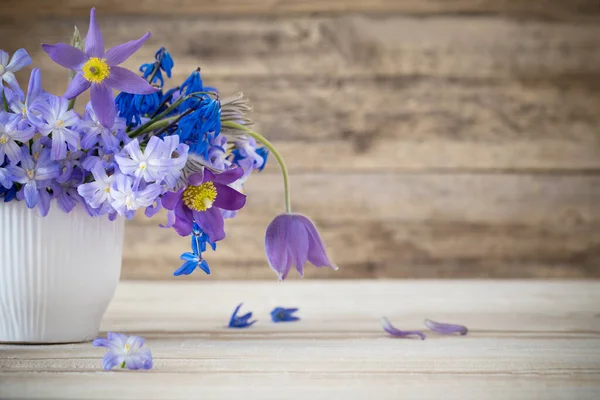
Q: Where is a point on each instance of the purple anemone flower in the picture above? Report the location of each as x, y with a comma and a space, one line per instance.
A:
99, 70
124, 351
445, 329
389, 328
293, 238
202, 201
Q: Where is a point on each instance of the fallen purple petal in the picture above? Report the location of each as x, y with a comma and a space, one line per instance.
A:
389, 328
445, 329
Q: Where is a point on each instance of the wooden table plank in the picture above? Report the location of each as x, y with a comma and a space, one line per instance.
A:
527, 340
545, 9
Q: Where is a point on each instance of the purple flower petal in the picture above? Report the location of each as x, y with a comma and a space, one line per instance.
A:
389, 328
211, 222
118, 54
229, 176
129, 82
11, 79
31, 194
317, 254
445, 329
298, 245
65, 55
170, 199
276, 245
94, 44
228, 198
19, 60
104, 104
111, 360
196, 179
77, 86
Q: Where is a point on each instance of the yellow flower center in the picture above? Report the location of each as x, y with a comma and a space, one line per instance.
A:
30, 173
127, 347
96, 70
200, 198
3, 139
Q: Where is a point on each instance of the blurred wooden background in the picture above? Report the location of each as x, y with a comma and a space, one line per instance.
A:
426, 138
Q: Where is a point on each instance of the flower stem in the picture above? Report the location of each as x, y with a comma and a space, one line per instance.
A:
5, 102
260, 138
122, 364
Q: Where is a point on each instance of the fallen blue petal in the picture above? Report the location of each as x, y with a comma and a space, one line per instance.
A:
281, 314
389, 328
445, 329
240, 321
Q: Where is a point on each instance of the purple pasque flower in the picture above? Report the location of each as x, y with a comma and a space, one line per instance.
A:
95, 132
445, 329
10, 134
202, 201
126, 199
281, 314
33, 173
151, 165
242, 321
56, 119
124, 351
34, 93
99, 70
389, 328
8, 68
293, 238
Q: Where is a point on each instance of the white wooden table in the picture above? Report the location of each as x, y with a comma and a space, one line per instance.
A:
526, 340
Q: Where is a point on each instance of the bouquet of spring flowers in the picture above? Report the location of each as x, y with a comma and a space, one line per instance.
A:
185, 149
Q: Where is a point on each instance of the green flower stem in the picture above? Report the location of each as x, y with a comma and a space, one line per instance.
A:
5, 102
260, 138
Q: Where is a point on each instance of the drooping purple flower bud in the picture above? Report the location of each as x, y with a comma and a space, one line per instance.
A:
389, 328
445, 329
293, 238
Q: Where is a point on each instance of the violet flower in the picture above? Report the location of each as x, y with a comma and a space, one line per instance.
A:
5, 178
124, 351
31, 171
202, 201
178, 154
55, 118
99, 70
95, 132
7, 69
445, 329
389, 328
10, 134
241, 321
126, 199
281, 314
34, 93
293, 238
98, 192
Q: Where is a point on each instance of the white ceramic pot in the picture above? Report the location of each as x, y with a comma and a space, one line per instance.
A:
57, 274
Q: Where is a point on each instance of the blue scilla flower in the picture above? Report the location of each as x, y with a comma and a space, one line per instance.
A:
281, 314
194, 259
164, 62
8, 194
241, 321
201, 125
133, 106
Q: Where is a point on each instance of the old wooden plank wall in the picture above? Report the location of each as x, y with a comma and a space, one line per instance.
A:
426, 138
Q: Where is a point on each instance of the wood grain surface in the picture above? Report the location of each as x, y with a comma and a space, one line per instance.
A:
427, 139
527, 340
